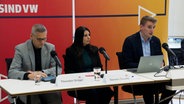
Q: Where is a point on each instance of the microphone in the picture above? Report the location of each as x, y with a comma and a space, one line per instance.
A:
54, 56
102, 51
169, 51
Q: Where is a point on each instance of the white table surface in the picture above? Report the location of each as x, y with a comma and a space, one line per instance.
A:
161, 77
167, 77
16, 87
175, 87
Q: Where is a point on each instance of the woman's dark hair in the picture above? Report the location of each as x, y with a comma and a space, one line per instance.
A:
79, 34
78, 40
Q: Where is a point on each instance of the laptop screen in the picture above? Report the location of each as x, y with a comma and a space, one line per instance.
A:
150, 64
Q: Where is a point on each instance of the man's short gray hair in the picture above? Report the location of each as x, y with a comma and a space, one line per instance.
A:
38, 28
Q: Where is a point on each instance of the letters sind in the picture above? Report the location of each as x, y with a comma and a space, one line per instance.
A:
18, 8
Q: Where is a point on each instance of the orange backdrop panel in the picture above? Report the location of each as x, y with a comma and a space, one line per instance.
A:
112, 21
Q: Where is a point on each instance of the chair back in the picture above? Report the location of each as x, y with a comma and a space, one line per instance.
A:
127, 88
64, 58
8, 63
179, 54
120, 59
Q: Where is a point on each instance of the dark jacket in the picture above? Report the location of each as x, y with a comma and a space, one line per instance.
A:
132, 49
74, 62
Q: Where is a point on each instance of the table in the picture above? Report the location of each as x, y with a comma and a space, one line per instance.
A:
176, 75
160, 77
74, 81
177, 78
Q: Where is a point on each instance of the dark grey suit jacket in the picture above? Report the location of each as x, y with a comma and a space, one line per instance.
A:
24, 60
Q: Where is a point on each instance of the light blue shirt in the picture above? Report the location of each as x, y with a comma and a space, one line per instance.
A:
145, 46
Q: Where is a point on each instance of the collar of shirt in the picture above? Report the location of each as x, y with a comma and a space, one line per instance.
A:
145, 46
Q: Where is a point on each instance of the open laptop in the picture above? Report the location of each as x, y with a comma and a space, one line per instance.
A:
149, 64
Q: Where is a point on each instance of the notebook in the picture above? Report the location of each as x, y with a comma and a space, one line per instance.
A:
149, 64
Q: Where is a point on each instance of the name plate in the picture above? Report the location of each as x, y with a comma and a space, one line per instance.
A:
70, 79
118, 77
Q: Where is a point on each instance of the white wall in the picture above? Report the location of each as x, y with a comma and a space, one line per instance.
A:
176, 18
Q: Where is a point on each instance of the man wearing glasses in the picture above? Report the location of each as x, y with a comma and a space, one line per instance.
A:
33, 58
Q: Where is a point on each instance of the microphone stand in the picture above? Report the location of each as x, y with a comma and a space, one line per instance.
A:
54, 79
105, 66
56, 69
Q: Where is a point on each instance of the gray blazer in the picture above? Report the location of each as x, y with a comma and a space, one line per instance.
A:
24, 60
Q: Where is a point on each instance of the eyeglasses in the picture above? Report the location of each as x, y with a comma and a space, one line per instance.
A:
40, 39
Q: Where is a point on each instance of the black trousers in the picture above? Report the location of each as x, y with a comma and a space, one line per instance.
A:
47, 98
18, 101
148, 91
93, 96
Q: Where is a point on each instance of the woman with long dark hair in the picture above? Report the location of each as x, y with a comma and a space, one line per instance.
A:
81, 56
